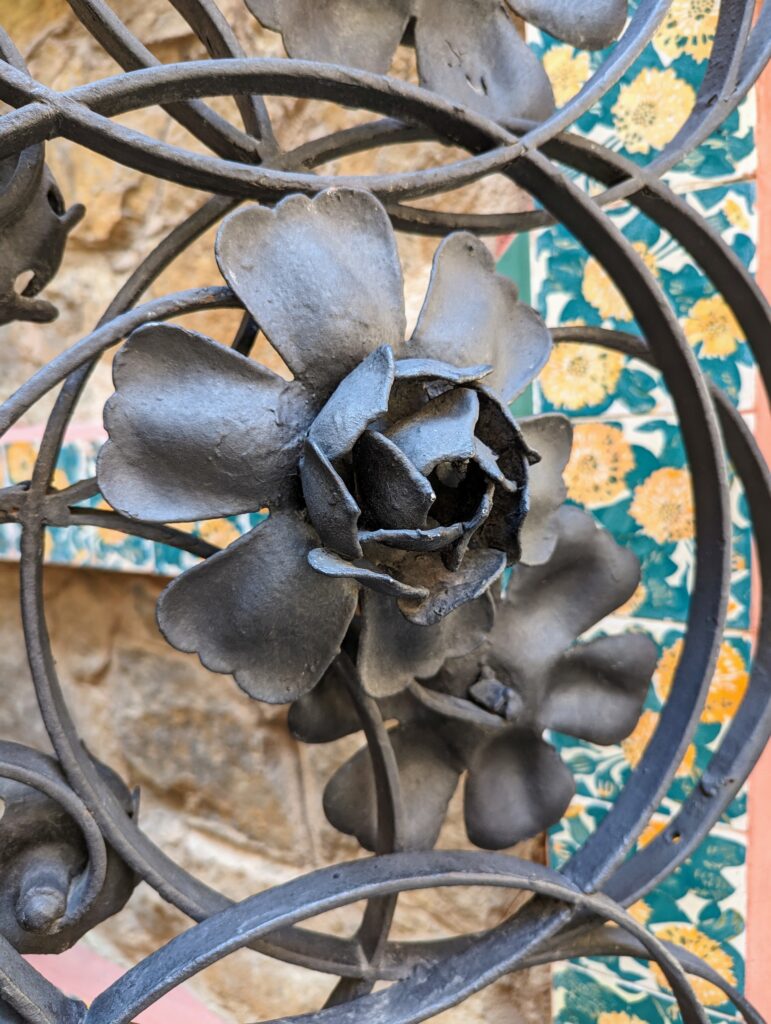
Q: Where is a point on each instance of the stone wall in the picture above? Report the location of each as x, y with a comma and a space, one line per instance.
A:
225, 791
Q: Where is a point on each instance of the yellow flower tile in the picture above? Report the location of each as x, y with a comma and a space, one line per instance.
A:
568, 71
636, 601
634, 745
688, 27
651, 109
580, 375
599, 290
219, 532
652, 829
663, 505
710, 951
20, 458
728, 686
599, 463
736, 215
712, 324
641, 911
618, 1018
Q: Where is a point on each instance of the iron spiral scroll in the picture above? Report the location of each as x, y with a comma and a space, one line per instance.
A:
578, 910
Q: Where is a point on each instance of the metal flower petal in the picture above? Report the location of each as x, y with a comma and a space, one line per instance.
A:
393, 651
258, 611
529, 674
471, 52
501, 434
447, 588
418, 379
517, 786
395, 494
552, 437
327, 712
473, 315
332, 510
456, 536
364, 572
588, 26
357, 33
322, 279
596, 690
548, 606
441, 431
428, 777
359, 399
197, 431
437, 369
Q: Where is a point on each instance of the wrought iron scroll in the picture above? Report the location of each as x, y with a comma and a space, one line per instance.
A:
78, 846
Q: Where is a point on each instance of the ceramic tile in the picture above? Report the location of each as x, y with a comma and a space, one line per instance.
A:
570, 288
582, 996
702, 906
631, 475
643, 112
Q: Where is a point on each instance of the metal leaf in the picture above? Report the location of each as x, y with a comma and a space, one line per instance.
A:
34, 224
44, 858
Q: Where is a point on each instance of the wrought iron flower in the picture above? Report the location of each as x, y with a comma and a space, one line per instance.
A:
484, 714
468, 50
34, 225
387, 465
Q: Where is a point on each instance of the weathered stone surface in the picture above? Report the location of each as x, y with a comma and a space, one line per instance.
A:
225, 791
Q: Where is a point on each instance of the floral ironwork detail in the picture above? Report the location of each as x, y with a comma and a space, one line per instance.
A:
485, 713
353, 600
386, 464
469, 51
60, 879
34, 223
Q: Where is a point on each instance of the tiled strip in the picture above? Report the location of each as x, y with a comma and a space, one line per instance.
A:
628, 469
